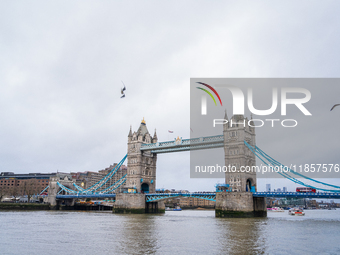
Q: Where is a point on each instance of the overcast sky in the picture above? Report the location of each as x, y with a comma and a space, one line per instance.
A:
62, 62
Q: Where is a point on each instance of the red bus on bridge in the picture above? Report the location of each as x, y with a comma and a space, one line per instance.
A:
305, 190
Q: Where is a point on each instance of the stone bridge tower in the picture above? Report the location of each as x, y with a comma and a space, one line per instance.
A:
141, 165
238, 155
242, 183
64, 179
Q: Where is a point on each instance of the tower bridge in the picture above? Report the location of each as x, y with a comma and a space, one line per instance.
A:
139, 184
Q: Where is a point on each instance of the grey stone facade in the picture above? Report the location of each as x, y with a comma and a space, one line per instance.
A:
240, 201
64, 179
141, 172
129, 203
238, 155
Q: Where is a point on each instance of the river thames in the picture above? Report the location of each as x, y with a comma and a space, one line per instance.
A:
182, 232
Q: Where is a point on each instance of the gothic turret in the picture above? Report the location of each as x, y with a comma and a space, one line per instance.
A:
226, 125
130, 134
143, 132
154, 139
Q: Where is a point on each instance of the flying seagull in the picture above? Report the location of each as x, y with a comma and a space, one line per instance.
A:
335, 106
122, 90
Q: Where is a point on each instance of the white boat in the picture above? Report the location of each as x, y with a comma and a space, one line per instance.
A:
177, 208
296, 211
275, 209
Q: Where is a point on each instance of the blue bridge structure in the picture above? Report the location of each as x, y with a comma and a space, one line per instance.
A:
142, 155
151, 197
96, 191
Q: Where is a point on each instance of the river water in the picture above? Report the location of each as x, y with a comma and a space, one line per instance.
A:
179, 232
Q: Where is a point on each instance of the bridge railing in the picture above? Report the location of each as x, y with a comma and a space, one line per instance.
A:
150, 197
183, 142
298, 194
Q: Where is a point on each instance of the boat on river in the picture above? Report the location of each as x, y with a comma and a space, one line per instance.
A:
296, 212
177, 208
275, 209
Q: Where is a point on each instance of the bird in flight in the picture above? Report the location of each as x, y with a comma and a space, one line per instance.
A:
122, 90
335, 106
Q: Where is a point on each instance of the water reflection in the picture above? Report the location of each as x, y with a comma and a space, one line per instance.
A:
185, 232
139, 235
241, 236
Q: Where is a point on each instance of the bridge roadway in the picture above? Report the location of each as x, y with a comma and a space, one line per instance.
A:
210, 195
208, 142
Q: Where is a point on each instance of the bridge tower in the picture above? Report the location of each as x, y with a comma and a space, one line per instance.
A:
141, 175
242, 183
141, 164
238, 155
64, 179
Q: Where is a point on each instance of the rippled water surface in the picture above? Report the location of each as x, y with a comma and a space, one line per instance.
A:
183, 232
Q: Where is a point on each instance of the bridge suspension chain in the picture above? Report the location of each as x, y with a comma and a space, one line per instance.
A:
104, 180
269, 161
112, 187
94, 188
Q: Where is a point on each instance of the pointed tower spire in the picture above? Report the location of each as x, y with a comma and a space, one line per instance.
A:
225, 126
251, 120
130, 133
155, 139
225, 114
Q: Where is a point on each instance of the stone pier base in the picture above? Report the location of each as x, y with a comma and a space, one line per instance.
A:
260, 207
135, 203
155, 207
239, 205
129, 203
52, 201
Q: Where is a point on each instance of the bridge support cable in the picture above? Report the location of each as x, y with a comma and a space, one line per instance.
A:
66, 189
301, 175
123, 181
93, 189
78, 188
274, 162
104, 180
112, 187
287, 172
44, 189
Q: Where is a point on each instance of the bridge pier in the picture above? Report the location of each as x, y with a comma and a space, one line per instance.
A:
239, 205
135, 203
155, 207
64, 179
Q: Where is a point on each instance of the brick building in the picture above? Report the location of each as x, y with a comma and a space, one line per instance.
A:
23, 184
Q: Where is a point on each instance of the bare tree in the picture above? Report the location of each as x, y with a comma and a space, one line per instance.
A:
14, 191
2, 192
30, 188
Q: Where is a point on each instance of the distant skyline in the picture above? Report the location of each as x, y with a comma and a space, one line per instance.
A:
62, 64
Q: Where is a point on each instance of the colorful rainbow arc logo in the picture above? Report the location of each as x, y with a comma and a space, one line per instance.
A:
209, 92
